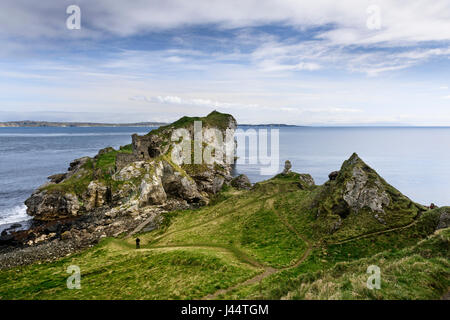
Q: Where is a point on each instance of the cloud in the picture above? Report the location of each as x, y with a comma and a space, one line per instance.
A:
402, 21
294, 61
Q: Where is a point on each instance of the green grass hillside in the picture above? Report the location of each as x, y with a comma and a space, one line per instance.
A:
264, 243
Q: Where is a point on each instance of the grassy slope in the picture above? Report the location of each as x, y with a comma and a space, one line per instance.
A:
242, 234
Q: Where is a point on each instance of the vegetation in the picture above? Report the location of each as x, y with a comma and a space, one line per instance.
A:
271, 230
213, 120
101, 168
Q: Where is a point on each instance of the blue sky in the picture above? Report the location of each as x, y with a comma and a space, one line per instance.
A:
284, 61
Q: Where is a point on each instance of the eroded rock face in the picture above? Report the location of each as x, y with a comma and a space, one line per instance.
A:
359, 193
44, 205
306, 180
151, 191
179, 185
97, 195
132, 170
355, 189
143, 173
444, 219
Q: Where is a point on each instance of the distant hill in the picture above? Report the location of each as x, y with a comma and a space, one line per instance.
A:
269, 125
30, 123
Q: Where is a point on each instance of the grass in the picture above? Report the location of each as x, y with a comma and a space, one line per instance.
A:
213, 120
417, 272
112, 271
243, 233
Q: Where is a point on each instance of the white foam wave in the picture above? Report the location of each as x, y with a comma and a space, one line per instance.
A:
14, 214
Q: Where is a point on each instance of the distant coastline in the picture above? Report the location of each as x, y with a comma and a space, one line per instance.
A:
30, 123
269, 125
35, 124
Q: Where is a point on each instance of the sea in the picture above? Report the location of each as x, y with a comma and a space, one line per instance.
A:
415, 160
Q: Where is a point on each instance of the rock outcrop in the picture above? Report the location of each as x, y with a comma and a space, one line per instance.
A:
356, 189
444, 219
287, 167
241, 182
143, 172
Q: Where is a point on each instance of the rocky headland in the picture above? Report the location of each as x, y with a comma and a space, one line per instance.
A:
121, 192
114, 192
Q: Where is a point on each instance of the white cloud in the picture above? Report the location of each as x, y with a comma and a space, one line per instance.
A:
402, 21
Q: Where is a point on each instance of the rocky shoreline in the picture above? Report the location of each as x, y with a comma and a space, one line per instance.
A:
114, 192
52, 240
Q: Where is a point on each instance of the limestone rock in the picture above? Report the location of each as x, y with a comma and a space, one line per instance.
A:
287, 167
151, 191
306, 180
133, 170
359, 193
138, 175
97, 195
357, 187
444, 219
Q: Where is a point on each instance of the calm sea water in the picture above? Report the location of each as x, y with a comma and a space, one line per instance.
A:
414, 160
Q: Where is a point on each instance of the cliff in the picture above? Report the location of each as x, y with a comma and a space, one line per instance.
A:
138, 175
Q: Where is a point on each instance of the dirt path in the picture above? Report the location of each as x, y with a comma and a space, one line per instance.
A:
374, 233
268, 271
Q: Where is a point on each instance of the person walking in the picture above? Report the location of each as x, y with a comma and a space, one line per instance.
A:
138, 241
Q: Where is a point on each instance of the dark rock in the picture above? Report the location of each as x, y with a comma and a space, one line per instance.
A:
44, 205
332, 176
78, 163
7, 239
104, 151
57, 178
66, 235
241, 182
178, 185
54, 227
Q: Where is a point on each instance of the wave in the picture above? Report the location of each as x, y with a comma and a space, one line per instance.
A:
14, 214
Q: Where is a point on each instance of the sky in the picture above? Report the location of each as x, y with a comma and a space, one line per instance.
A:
322, 62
